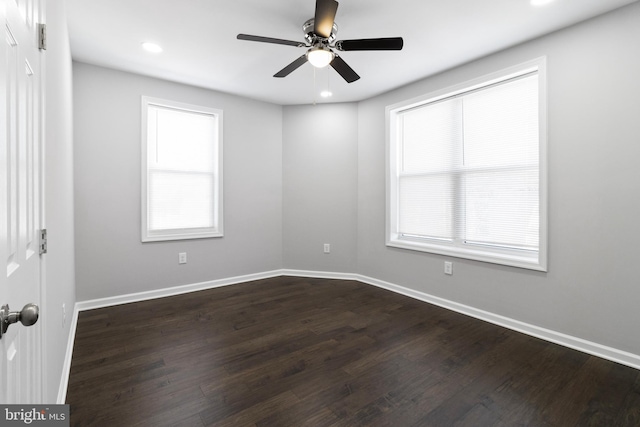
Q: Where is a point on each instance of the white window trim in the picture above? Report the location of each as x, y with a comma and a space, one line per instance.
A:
180, 234
508, 257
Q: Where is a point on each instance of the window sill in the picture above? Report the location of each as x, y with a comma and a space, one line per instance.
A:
182, 235
514, 258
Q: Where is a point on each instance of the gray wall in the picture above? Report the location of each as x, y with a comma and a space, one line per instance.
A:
110, 258
59, 275
591, 289
320, 187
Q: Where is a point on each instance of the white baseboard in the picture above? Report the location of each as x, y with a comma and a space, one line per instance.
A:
175, 290
66, 367
605, 352
589, 347
320, 274
595, 349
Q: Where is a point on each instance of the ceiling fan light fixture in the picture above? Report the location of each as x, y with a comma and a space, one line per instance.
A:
320, 56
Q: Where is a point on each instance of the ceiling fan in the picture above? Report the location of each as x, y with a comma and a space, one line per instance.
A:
320, 34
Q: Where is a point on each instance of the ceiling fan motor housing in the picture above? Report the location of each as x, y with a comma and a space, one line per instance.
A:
312, 38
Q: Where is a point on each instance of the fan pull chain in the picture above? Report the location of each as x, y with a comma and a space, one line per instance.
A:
314, 86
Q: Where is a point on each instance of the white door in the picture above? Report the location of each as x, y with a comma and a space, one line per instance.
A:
21, 210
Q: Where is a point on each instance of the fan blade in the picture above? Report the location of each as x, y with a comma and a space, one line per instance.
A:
325, 15
291, 67
344, 70
269, 40
390, 43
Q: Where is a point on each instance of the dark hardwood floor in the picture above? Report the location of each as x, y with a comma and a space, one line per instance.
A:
294, 351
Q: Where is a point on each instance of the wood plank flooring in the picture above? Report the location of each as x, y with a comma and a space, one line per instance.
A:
294, 351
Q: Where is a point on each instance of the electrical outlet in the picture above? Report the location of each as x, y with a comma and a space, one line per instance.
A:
64, 315
327, 248
182, 258
448, 267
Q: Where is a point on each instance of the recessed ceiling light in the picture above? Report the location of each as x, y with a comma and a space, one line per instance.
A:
151, 47
540, 2
325, 94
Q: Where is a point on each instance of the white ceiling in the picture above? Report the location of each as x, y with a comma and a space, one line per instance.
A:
201, 49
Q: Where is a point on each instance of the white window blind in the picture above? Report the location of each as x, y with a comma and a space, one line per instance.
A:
465, 173
182, 180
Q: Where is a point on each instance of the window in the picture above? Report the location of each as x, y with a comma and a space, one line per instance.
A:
181, 171
467, 170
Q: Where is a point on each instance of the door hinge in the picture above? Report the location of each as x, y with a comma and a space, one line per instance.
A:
43, 241
42, 36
